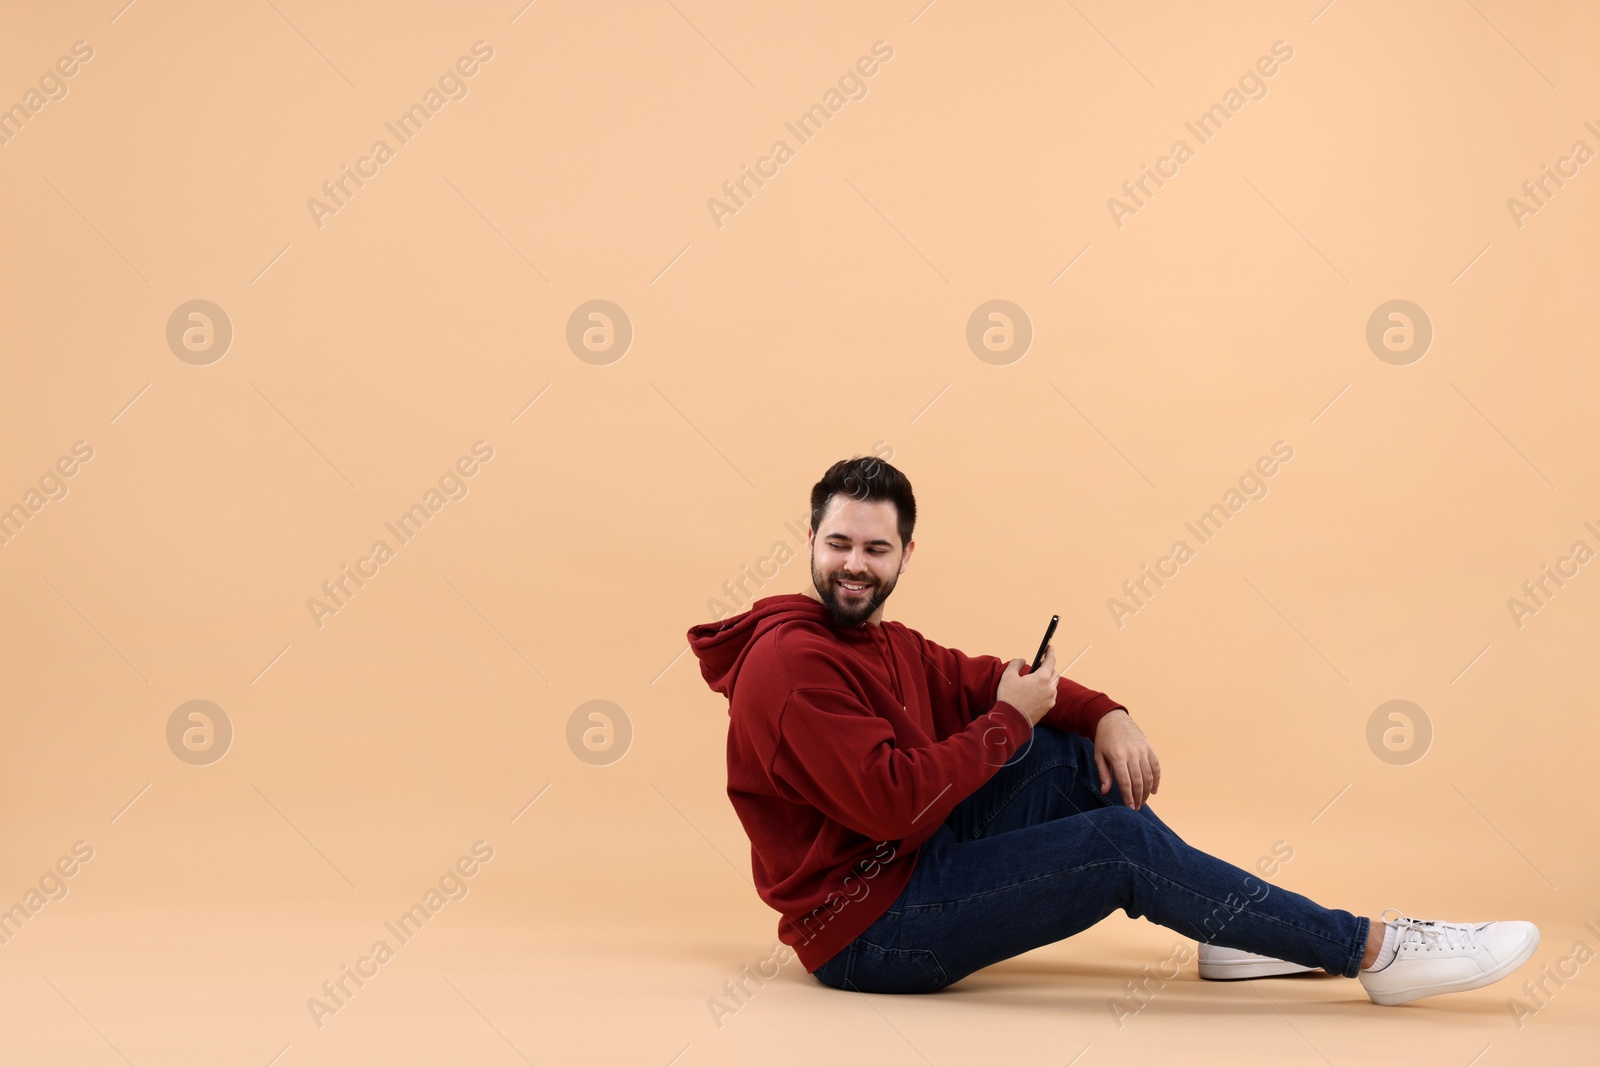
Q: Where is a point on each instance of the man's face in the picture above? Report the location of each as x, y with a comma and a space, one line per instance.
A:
858, 544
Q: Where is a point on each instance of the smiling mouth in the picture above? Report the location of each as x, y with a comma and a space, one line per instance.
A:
853, 588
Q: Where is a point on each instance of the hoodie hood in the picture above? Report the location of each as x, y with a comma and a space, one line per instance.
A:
722, 646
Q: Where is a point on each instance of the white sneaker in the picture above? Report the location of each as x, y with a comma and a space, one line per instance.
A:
1219, 963
1439, 957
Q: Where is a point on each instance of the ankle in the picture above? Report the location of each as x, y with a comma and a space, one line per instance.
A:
1388, 946
1375, 932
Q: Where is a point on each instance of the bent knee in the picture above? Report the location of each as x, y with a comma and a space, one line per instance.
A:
1132, 835
1123, 819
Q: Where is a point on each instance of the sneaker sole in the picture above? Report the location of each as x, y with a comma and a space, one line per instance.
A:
1406, 996
1223, 972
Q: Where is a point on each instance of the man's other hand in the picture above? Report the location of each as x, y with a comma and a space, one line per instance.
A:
1121, 750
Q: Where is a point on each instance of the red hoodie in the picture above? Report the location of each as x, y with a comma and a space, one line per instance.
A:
847, 749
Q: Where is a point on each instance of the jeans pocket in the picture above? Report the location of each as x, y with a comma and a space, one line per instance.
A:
834, 972
875, 969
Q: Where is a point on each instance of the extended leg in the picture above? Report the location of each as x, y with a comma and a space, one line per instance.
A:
977, 902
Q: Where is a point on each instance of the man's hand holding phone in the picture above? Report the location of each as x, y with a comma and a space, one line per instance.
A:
1032, 694
1121, 751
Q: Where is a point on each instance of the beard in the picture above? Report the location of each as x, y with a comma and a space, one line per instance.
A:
846, 610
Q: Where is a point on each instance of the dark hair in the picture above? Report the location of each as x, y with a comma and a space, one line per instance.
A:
866, 478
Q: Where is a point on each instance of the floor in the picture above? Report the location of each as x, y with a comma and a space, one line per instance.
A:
196, 986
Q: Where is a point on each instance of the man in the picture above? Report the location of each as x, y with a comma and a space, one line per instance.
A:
916, 814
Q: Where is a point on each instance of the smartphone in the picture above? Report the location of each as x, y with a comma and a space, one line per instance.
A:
1049, 632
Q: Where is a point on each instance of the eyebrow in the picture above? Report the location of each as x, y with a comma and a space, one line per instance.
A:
846, 537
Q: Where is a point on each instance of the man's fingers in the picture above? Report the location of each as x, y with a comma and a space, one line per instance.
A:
1105, 771
1125, 781
1155, 769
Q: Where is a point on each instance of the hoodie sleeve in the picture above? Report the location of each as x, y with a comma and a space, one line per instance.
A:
974, 680
841, 757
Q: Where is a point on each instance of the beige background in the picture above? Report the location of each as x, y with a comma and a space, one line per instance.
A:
824, 318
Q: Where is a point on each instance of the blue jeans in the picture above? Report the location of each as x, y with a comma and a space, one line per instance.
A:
1036, 854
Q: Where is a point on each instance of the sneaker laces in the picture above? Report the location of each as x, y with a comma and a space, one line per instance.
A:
1429, 934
